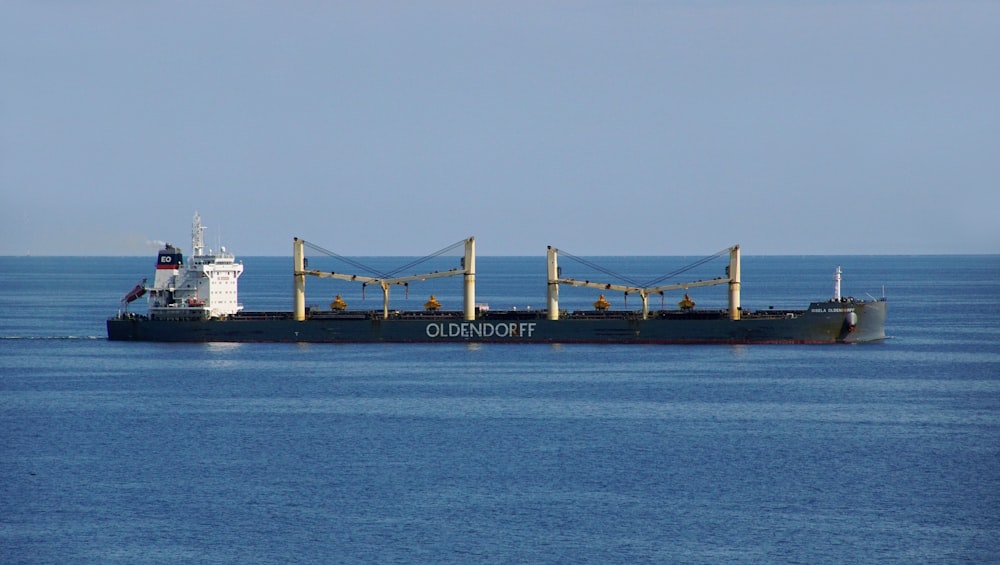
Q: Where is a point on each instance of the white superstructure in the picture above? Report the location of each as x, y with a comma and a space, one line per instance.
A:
207, 286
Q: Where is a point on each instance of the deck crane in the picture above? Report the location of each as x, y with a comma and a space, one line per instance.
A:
468, 269
732, 279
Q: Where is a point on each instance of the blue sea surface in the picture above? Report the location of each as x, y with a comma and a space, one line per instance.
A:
116, 452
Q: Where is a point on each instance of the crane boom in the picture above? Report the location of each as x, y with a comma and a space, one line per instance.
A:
380, 281
639, 290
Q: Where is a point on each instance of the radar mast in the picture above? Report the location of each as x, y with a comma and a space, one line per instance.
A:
197, 237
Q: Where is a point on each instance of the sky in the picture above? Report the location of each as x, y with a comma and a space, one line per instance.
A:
628, 127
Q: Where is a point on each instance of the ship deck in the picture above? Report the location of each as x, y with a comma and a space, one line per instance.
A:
520, 315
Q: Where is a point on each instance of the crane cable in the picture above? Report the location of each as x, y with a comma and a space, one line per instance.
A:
637, 283
375, 272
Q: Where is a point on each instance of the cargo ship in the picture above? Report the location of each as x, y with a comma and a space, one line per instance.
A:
197, 300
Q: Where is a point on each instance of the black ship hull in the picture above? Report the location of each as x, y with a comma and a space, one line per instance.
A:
822, 322
197, 302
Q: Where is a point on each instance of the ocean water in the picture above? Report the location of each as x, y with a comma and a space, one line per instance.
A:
500, 453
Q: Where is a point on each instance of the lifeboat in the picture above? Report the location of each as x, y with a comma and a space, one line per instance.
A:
135, 293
